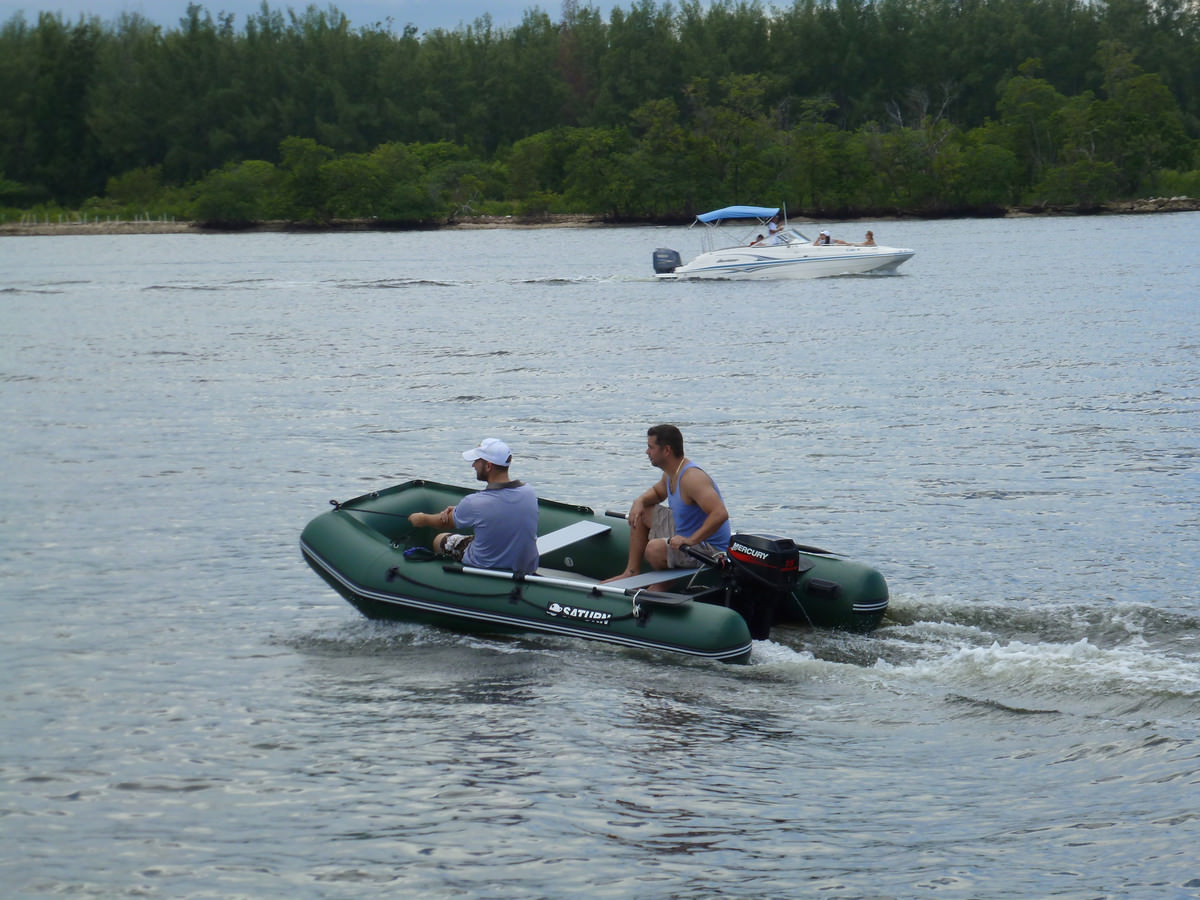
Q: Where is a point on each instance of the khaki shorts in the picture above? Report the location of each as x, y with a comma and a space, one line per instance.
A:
662, 527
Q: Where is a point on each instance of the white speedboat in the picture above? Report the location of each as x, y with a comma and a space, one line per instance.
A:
759, 254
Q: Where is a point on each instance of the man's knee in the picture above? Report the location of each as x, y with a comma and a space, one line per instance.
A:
656, 553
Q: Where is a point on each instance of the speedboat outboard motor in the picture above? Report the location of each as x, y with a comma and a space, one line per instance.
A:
666, 261
765, 571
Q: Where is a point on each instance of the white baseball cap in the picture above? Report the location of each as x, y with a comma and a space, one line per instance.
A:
492, 450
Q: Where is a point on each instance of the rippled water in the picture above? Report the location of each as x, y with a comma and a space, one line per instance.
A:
1008, 430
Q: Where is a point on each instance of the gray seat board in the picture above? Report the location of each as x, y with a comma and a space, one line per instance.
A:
658, 576
571, 534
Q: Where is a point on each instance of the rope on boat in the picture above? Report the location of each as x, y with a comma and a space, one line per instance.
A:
637, 607
342, 507
394, 573
513, 596
800, 604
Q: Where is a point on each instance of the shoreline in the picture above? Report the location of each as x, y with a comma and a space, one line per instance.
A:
58, 229
51, 229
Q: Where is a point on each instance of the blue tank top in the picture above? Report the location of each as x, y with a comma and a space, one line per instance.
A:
688, 518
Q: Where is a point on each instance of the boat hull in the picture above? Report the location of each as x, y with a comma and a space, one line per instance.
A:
791, 262
358, 549
836, 593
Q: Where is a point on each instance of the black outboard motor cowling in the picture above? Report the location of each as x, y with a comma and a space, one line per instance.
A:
666, 260
765, 571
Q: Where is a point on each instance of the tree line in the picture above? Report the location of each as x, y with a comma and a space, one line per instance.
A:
659, 111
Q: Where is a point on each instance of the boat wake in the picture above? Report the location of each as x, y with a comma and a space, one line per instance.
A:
237, 284
388, 284
1121, 661
408, 283
29, 290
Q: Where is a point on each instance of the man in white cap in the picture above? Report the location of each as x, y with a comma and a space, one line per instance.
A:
503, 516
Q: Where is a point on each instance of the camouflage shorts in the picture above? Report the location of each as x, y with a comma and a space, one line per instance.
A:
455, 545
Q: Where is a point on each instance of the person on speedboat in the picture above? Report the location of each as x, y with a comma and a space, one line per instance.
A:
825, 238
504, 516
695, 515
774, 233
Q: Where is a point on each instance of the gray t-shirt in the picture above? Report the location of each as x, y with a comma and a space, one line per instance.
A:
505, 520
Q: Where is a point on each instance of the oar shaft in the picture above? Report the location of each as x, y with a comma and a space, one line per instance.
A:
587, 587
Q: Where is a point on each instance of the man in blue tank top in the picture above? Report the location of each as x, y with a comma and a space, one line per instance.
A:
695, 515
504, 516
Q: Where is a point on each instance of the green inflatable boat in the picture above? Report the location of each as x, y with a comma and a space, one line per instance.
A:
368, 552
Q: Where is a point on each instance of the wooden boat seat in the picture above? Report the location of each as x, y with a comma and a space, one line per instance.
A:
572, 534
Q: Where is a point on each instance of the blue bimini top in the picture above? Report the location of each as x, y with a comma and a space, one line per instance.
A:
738, 212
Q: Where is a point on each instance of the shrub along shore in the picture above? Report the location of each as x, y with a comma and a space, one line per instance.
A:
14, 229
848, 111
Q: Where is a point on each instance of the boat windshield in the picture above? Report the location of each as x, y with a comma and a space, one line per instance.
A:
791, 236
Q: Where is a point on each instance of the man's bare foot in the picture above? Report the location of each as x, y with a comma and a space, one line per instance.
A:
628, 573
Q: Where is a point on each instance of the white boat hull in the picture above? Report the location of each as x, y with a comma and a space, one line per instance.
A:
792, 261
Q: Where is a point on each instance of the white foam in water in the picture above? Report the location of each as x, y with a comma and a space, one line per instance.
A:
769, 653
1078, 668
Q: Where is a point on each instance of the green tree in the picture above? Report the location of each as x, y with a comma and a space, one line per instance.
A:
1028, 107
404, 193
128, 98
353, 186
1085, 182
241, 193
302, 162
45, 107
662, 162
845, 102
537, 165
1138, 126
596, 176
194, 72
639, 64
987, 173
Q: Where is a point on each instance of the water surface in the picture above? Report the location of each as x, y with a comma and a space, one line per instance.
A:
1008, 429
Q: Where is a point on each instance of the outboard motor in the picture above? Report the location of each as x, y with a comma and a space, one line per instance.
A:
765, 571
666, 261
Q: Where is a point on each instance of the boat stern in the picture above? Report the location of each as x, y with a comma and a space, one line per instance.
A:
838, 593
666, 261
